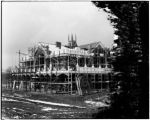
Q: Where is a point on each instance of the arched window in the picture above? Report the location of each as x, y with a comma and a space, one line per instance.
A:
89, 62
39, 59
81, 62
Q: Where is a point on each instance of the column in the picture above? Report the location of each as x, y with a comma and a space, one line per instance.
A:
14, 84
45, 64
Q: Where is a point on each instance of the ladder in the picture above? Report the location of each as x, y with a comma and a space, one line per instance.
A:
93, 80
69, 82
100, 80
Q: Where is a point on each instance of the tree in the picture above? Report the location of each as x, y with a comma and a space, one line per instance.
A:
8, 73
130, 59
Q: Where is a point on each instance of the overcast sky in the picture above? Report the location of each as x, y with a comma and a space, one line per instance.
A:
27, 23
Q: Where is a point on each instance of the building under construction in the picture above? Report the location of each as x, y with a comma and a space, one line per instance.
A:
63, 69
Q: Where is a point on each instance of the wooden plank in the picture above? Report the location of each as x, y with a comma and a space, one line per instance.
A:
54, 83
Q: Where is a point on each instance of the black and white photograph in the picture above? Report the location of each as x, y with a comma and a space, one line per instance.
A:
74, 59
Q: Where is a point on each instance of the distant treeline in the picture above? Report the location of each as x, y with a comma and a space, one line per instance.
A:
4, 78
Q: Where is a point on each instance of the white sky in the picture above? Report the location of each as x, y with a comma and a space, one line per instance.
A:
27, 23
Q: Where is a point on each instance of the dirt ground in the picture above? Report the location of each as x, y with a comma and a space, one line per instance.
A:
26, 105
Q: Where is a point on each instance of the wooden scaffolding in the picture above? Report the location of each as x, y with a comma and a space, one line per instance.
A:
44, 72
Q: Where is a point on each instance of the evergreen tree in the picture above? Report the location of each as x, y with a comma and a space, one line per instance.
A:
130, 59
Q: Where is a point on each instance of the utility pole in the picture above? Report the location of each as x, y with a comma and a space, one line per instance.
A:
105, 56
19, 60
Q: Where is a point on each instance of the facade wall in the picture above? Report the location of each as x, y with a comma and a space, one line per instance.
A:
64, 70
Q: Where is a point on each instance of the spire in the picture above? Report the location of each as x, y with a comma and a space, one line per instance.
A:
71, 37
68, 37
75, 37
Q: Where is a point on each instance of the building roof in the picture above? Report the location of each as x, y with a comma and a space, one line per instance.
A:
52, 49
92, 45
63, 50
